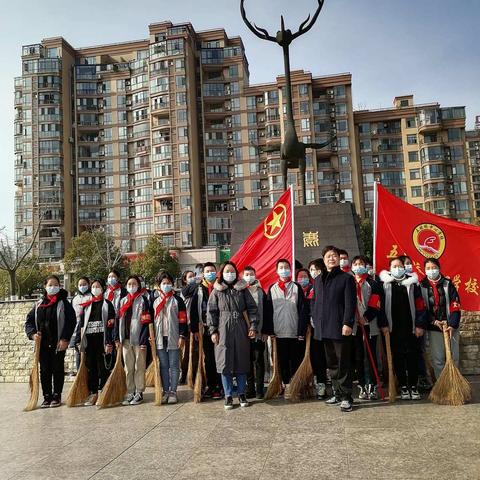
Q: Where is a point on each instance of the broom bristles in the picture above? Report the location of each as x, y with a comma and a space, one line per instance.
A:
274, 388
301, 382
116, 387
451, 388
34, 382
156, 367
190, 381
198, 386
392, 383
79, 391
150, 374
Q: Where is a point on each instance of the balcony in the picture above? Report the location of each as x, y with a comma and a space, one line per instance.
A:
429, 120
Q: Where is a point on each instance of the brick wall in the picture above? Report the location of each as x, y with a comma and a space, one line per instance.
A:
470, 343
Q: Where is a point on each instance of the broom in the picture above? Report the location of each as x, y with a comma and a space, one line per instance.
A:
150, 374
116, 387
190, 381
392, 387
198, 386
79, 391
34, 382
156, 370
275, 386
451, 387
300, 384
372, 361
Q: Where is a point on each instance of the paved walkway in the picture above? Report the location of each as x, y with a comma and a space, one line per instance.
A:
277, 440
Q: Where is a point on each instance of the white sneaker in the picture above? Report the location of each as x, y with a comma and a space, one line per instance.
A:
137, 399
362, 395
372, 392
172, 398
321, 390
415, 395
128, 399
405, 394
91, 400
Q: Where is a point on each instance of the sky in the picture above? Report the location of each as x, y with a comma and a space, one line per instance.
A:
391, 47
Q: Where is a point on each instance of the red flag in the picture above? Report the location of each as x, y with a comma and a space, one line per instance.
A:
270, 241
402, 229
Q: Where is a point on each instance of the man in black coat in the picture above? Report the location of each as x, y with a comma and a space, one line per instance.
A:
333, 315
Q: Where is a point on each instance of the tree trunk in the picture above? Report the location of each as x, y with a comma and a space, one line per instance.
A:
13, 282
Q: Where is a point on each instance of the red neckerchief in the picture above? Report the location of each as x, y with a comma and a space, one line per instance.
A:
346, 269
436, 296
162, 303
92, 300
52, 301
282, 284
359, 284
130, 299
111, 291
208, 285
143, 290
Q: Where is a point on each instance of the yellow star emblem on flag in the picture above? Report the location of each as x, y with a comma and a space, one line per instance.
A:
275, 222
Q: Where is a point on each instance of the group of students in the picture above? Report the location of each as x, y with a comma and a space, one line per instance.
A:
344, 303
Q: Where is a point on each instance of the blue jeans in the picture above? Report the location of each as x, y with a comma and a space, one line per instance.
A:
227, 381
169, 367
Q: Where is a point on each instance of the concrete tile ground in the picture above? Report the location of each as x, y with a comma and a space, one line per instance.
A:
275, 440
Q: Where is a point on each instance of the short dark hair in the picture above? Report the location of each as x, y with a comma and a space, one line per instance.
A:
341, 251
162, 275
135, 277
199, 266
84, 278
51, 277
317, 263
283, 260
361, 258
404, 257
397, 258
249, 268
330, 248
209, 264
435, 261
303, 270
184, 276
101, 281
116, 272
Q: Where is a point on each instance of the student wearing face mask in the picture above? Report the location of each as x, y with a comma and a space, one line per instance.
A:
286, 318
371, 316
405, 311
333, 315
114, 292
95, 337
82, 295
200, 293
171, 329
256, 376
232, 322
316, 268
344, 261
188, 278
52, 320
131, 332
443, 312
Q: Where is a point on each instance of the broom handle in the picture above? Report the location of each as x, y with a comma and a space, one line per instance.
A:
389, 353
372, 362
448, 350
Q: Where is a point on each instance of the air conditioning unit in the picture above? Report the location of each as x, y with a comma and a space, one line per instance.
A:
131, 200
260, 100
262, 134
228, 107
131, 214
99, 75
128, 103
130, 135
101, 180
263, 187
104, 214
171, 63
261, 119
265, 204
232, 193
230, 153
230, 137
71, 139
101, 154
332, 115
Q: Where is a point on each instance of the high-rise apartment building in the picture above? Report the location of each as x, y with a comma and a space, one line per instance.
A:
473, 151
166, 136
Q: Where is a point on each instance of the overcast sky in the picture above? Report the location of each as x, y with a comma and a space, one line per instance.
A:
426, 47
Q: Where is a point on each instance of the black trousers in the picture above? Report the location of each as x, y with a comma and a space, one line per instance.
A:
213, 378
51, 367
290, 354
95, 362
405, 353
318, 360
338, 354
360, 356
256, 376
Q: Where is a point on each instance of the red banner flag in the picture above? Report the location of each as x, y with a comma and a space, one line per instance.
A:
402, 229
270, 241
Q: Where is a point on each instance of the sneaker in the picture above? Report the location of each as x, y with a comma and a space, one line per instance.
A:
346, 406
362, 395
207, 393
216, 395
332, 401
243, 401
137, 399
321, 390
228, 403
415, 394
56, 400
165, 398
172, 398
424, 384
372, 392
128, 399
405, 394
46, 402
91, 400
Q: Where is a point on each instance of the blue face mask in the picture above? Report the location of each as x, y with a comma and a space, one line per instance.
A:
433, 273
52, 290
83, 289
285, 273
166, 287
210, 276
112, 281
360, 270
304, 282
191, 280
397, 272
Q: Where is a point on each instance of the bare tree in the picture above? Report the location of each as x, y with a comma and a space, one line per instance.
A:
110, 255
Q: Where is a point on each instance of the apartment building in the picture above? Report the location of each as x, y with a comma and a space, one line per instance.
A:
473, 151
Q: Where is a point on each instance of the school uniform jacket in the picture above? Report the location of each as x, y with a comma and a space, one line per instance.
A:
371, 305
139, 323
118, 294
77, 300
259, 296
176, 315
198, 308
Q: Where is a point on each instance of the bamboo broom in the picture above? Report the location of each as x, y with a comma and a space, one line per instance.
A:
275, 386
79, 391
301, 382
156, 367
150, 373
392, 387
34, 381
451, 387
116, 387
190, 381
198, 386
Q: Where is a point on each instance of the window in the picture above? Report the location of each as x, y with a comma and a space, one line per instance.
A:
342, 126
251, 118
454, 134
416, 191
341, 108
181, 115
339, 91
251, 103
233, 71
413, 156
415, 174
303, 89
304, 107
180, 99
180, 81
342, 143
305, 124
411, 122
411, 139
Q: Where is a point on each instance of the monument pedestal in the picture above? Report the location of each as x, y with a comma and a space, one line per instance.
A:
315, 226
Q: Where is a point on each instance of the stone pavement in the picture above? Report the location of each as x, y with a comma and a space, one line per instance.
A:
274, 440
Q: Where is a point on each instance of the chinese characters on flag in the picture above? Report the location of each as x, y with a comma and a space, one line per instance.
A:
270, 241
402, 229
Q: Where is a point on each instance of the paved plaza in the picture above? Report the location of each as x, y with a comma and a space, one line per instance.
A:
274, 440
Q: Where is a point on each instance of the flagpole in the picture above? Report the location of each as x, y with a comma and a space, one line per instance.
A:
293, 228
375, 214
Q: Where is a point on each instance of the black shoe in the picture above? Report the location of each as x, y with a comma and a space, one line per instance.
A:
228, 403
243, 401
259, 396
207, 393
46, 402
56, 400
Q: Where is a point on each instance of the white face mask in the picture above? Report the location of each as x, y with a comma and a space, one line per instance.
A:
433, 273
314, 273
131, 289
344, 263
97, 291
229, 277
409, 268
397, 272
249, 278
52, 290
